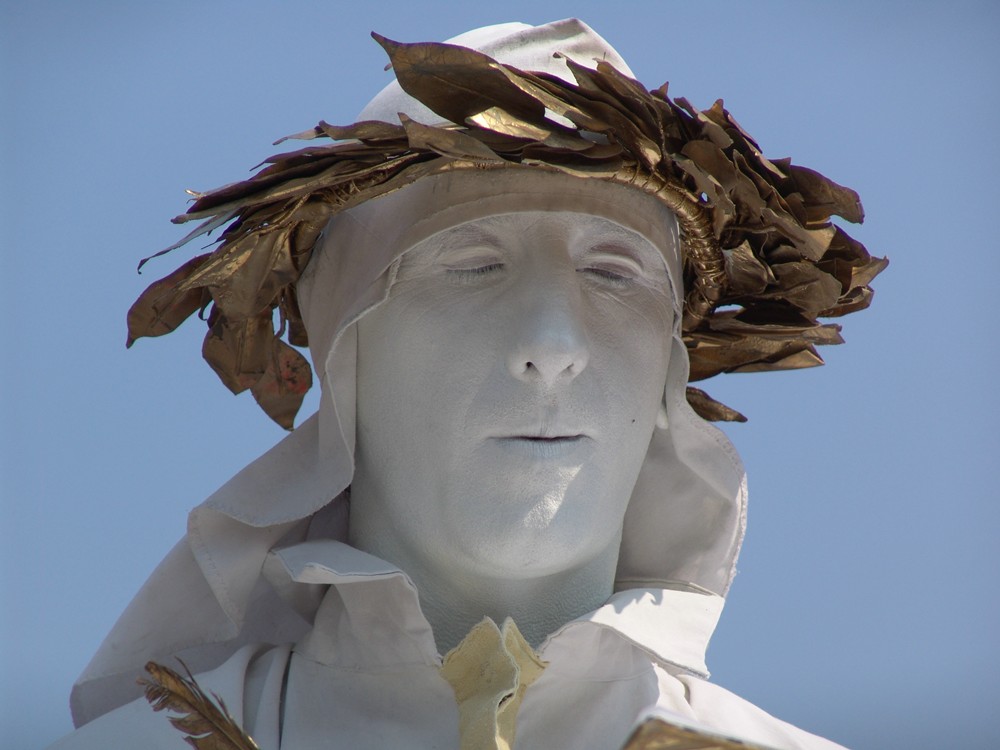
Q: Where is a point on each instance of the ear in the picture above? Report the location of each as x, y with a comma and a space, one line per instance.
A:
661, 416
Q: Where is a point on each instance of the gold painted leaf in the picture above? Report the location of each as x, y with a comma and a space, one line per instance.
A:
746, 275
588, 114
238, 351
856, 299
799, 359
708, 408
806, 286
284, 384
246, 276
456, 82
498, 120
451, 143
824, 197
207, 226
164, 306
366, 130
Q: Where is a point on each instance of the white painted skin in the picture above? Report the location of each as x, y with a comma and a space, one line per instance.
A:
507, 392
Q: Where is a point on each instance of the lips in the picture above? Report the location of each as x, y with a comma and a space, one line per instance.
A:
540, 446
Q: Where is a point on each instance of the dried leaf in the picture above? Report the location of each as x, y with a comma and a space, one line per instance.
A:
284, 384
796, 360
500, 121
204, 719
746, 274
366, 130
805, 286
164, 305
751, 354
588, 114
856, 299
451, 143
456, 82
824, 197
289, 307
708, 408
204, 228
239, 351
245, 278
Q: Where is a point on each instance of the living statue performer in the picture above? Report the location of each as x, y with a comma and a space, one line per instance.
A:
509, 525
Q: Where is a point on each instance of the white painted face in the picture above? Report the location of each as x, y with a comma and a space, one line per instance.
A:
508, 388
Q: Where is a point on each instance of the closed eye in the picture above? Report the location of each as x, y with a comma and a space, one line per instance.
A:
610, 276
476, 271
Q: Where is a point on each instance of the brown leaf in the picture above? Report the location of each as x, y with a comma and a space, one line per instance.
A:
204, 719
205, 227
456, 82
805, 286
856, 299
745, 274
246, 275
735, 325
588, 114
796, 360
305, 135
451, 143
590, 83
293, 182
365, 130
498, 120
308, 221
289, 306
239, 351
708, 408
283, 385
163, 306
824, 197
749, 354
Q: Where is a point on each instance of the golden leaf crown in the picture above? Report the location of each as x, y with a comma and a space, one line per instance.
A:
762, 260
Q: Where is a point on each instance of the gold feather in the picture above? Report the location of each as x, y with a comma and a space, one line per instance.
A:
204, 719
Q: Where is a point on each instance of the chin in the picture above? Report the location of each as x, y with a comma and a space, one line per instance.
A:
517, 552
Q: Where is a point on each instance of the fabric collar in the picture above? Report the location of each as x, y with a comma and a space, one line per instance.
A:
370, 618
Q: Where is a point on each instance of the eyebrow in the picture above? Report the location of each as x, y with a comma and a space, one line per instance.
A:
622, 241
464, 235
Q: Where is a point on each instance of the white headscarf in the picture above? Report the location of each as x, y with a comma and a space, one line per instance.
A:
209, 596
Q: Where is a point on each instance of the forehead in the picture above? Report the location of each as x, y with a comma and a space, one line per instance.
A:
575, 231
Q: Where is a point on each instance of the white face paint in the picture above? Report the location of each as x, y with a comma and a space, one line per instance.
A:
507, 392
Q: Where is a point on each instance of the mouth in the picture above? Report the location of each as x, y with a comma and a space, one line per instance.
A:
551, 439
544, 446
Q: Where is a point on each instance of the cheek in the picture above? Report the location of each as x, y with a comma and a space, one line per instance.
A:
428, 353
632, 342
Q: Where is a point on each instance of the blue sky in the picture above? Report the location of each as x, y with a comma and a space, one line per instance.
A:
866, 608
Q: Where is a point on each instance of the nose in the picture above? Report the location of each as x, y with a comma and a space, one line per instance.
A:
550, 337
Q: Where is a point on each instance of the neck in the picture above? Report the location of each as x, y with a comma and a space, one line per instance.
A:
456, 597
539, 606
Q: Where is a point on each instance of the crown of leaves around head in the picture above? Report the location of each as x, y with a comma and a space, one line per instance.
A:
762, 260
